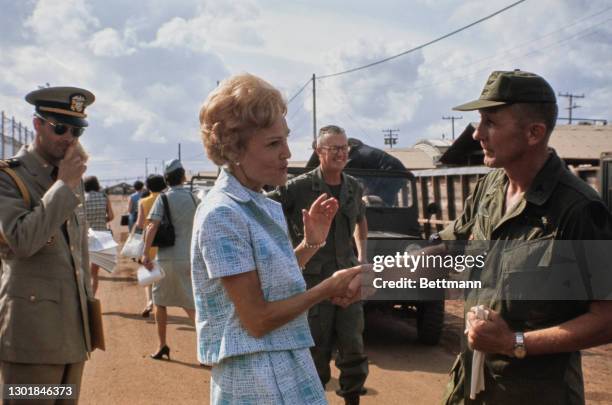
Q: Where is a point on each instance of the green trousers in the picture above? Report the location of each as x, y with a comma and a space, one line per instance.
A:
342, 328
566, 389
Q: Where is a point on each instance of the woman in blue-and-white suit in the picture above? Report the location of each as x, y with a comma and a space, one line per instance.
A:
251, 299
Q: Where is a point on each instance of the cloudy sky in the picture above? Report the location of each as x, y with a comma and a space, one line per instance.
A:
151, 64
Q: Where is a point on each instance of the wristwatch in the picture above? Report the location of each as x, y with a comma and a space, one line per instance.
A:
519, 345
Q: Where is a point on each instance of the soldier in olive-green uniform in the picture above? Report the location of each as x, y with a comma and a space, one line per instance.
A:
44, 324
332, 325
530, 209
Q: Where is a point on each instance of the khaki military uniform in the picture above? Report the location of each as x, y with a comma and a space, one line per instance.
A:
525, 252
45, 280
330, 325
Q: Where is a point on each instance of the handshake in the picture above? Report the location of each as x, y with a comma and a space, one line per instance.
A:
350, 285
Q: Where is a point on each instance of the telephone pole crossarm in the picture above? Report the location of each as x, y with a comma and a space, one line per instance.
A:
390, 137
452, 118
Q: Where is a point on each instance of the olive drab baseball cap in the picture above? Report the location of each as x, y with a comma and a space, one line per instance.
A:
508, 87
65, 104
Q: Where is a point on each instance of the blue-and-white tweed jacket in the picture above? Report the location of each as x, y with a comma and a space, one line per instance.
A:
237, 230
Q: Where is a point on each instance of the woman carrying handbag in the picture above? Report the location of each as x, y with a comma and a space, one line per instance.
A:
172, 214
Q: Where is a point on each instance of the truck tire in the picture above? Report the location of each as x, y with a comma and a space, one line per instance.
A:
430, 320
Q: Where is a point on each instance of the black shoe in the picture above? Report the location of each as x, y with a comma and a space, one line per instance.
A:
164, 351
351, 399
147, 311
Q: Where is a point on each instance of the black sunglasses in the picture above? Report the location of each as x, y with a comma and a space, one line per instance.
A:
60, 129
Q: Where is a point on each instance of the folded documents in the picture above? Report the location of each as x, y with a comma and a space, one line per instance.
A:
100, 240
146, 277
102, 249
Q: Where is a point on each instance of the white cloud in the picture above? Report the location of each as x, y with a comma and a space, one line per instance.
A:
372, 99
179, 32
66, 21
108, 42
228, 23
151, 64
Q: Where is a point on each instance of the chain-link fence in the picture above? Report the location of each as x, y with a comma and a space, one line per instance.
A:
13, 135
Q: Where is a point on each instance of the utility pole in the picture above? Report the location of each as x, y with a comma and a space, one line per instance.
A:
314, 108
3, 155
571, 106
390, 137
146, 167
179, 151
453, 118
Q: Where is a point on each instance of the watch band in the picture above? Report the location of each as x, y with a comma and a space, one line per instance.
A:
519, 345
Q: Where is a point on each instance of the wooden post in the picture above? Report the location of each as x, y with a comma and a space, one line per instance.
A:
465, 190
437, 198
424, 202
450, 196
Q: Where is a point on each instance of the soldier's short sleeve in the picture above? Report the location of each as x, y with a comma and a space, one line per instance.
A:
588, 221
587, 232
362, 207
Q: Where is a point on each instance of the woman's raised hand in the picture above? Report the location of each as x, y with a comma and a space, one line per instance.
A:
317, 220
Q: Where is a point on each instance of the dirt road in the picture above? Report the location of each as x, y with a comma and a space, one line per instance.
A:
401, 371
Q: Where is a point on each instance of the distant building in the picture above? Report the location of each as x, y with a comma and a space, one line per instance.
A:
425, 154
119, 189
578, 145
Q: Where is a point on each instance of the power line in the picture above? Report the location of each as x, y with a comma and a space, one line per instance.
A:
299, 91
345, 111
369, 65
572, 105
500, 55
452, 118
196, 156
390, 136
296, 112
497, 57
297, 121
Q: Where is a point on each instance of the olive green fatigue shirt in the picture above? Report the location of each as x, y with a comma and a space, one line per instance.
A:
338, 252
524, 247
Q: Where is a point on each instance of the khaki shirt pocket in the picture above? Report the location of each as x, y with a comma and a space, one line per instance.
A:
34, 320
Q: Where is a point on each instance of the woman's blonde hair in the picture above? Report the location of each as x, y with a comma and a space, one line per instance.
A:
237, 107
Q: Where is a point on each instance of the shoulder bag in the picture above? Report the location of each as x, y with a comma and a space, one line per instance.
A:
165, 235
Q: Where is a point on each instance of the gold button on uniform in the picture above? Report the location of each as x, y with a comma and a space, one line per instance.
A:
32, 298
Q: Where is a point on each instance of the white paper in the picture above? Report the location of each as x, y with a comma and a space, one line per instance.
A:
106, 259
102, 249
477, 383
100, 240
146, 277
